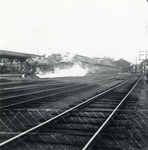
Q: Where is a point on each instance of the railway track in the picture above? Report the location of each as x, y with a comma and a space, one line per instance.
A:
27, 81
9, 84
41, 84
79, 127
35, 98
22, 96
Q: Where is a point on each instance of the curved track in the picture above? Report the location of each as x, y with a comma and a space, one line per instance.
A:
78, 127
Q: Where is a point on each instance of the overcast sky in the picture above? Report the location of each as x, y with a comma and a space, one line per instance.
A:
94, 28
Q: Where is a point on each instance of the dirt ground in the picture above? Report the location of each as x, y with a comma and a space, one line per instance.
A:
141, 92
75, 98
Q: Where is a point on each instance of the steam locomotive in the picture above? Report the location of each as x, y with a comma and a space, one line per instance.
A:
33, 66
28, 68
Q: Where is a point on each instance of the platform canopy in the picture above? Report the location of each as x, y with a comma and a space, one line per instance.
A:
14, 55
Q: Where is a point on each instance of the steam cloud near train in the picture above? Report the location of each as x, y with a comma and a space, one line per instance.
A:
67, 66
74, 65
75, 70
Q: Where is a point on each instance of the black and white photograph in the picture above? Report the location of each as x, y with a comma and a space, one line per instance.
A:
73, 74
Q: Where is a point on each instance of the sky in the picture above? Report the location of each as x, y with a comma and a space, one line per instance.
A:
93, 28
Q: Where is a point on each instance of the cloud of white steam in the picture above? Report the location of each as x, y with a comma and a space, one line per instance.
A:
68, 57
75, 70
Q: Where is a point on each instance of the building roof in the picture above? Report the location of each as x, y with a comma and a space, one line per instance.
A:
14, 55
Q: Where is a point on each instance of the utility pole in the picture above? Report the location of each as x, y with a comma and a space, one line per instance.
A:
136, 67
146, 54
143, 56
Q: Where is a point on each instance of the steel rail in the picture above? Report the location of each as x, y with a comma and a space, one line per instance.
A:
62, 114
81, 78
53, 79
90, 142
46, 96
44, 84
33, 81
47, 90
37, 86
36, 92
41, 97
18, 82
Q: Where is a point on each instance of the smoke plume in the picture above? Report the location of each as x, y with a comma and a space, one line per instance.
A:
75, 70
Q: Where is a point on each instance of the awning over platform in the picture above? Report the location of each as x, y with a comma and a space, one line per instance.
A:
14, 55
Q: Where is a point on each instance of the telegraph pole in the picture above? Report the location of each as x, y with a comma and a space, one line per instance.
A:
143, 56
146, 54
136, 66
